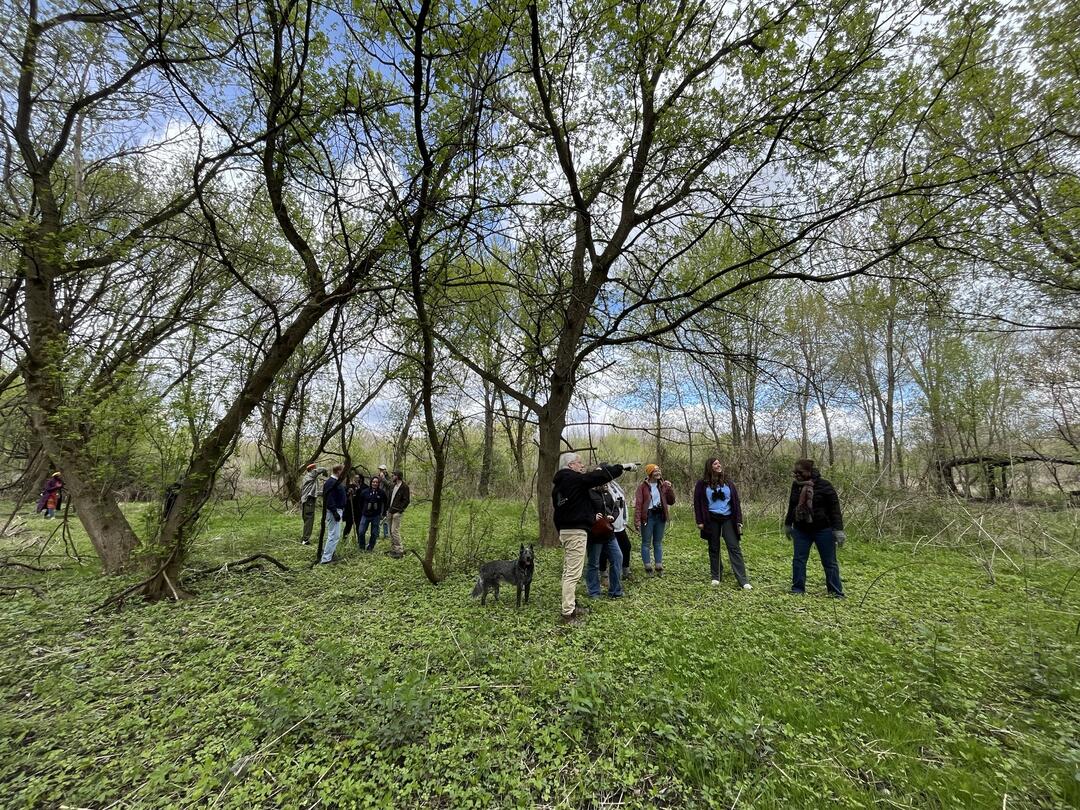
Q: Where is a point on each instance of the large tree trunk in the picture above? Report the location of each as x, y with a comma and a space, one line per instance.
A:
108, 529
551, 424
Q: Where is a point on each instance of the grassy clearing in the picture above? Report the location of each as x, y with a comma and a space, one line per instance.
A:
360, 684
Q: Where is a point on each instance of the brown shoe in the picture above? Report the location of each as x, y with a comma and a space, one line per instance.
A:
570, 618
659, 570
648, 570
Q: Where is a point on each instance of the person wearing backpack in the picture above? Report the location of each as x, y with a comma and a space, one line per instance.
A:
814, 519
372, 503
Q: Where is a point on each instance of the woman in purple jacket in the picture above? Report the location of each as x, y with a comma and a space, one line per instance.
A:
719, 515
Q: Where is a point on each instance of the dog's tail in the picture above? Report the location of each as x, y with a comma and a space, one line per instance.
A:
479, 589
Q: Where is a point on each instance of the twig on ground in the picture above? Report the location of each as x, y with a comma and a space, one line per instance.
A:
883, 573
12, 588
1067, 584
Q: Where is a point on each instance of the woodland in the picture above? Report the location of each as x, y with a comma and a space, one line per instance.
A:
460, 239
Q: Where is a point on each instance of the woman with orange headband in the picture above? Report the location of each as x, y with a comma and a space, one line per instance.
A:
654, 496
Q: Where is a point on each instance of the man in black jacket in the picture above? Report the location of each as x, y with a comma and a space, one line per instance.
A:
334, 504
814, 518
574, 516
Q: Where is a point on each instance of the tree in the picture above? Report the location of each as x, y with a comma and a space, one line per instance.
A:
83, 221
650, 125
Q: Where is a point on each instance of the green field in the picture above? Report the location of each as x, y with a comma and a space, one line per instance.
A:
361, 684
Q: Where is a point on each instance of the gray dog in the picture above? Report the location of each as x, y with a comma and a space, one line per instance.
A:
519, 572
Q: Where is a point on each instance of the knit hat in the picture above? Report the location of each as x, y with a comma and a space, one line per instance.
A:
56, 474
650, 469
310, 467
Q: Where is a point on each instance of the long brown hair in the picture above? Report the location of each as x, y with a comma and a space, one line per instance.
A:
711, 478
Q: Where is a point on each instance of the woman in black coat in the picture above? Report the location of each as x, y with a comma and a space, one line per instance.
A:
814, 519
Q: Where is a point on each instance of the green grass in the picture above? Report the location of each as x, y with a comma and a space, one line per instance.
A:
362, 685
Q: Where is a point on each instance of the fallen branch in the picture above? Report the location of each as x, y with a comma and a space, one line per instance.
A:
27, 566
12, 588
224, 569
119, 598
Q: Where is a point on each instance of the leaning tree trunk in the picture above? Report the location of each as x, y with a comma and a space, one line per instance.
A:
109, 532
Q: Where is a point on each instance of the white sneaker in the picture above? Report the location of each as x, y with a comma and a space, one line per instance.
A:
748, 587
715, 582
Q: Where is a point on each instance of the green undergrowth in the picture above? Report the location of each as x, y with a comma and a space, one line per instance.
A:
360, 684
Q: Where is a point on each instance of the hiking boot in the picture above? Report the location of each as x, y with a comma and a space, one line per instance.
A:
305, 542
626, 573
715, 583
747, 586
648, 570
834, 595
575, 617
659, 570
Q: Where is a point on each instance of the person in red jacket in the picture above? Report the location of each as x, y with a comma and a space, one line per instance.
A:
718, 515
652, 500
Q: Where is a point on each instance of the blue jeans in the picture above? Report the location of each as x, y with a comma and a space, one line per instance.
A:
825, 541
373, 522
592, 567
333, 534
652, 535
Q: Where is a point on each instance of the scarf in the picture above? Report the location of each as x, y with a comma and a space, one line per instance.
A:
804, 512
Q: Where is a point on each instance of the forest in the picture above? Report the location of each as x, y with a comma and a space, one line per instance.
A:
460, 240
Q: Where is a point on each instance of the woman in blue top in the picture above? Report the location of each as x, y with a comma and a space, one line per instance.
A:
719, 515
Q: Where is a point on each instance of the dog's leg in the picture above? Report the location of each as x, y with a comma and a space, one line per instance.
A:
527, 586
496, 590
518, 595
483, 597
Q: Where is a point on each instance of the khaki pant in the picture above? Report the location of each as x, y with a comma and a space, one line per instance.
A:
307, 510
394, 519
573, 561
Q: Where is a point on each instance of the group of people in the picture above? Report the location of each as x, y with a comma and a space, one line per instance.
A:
351, 501
591, 514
